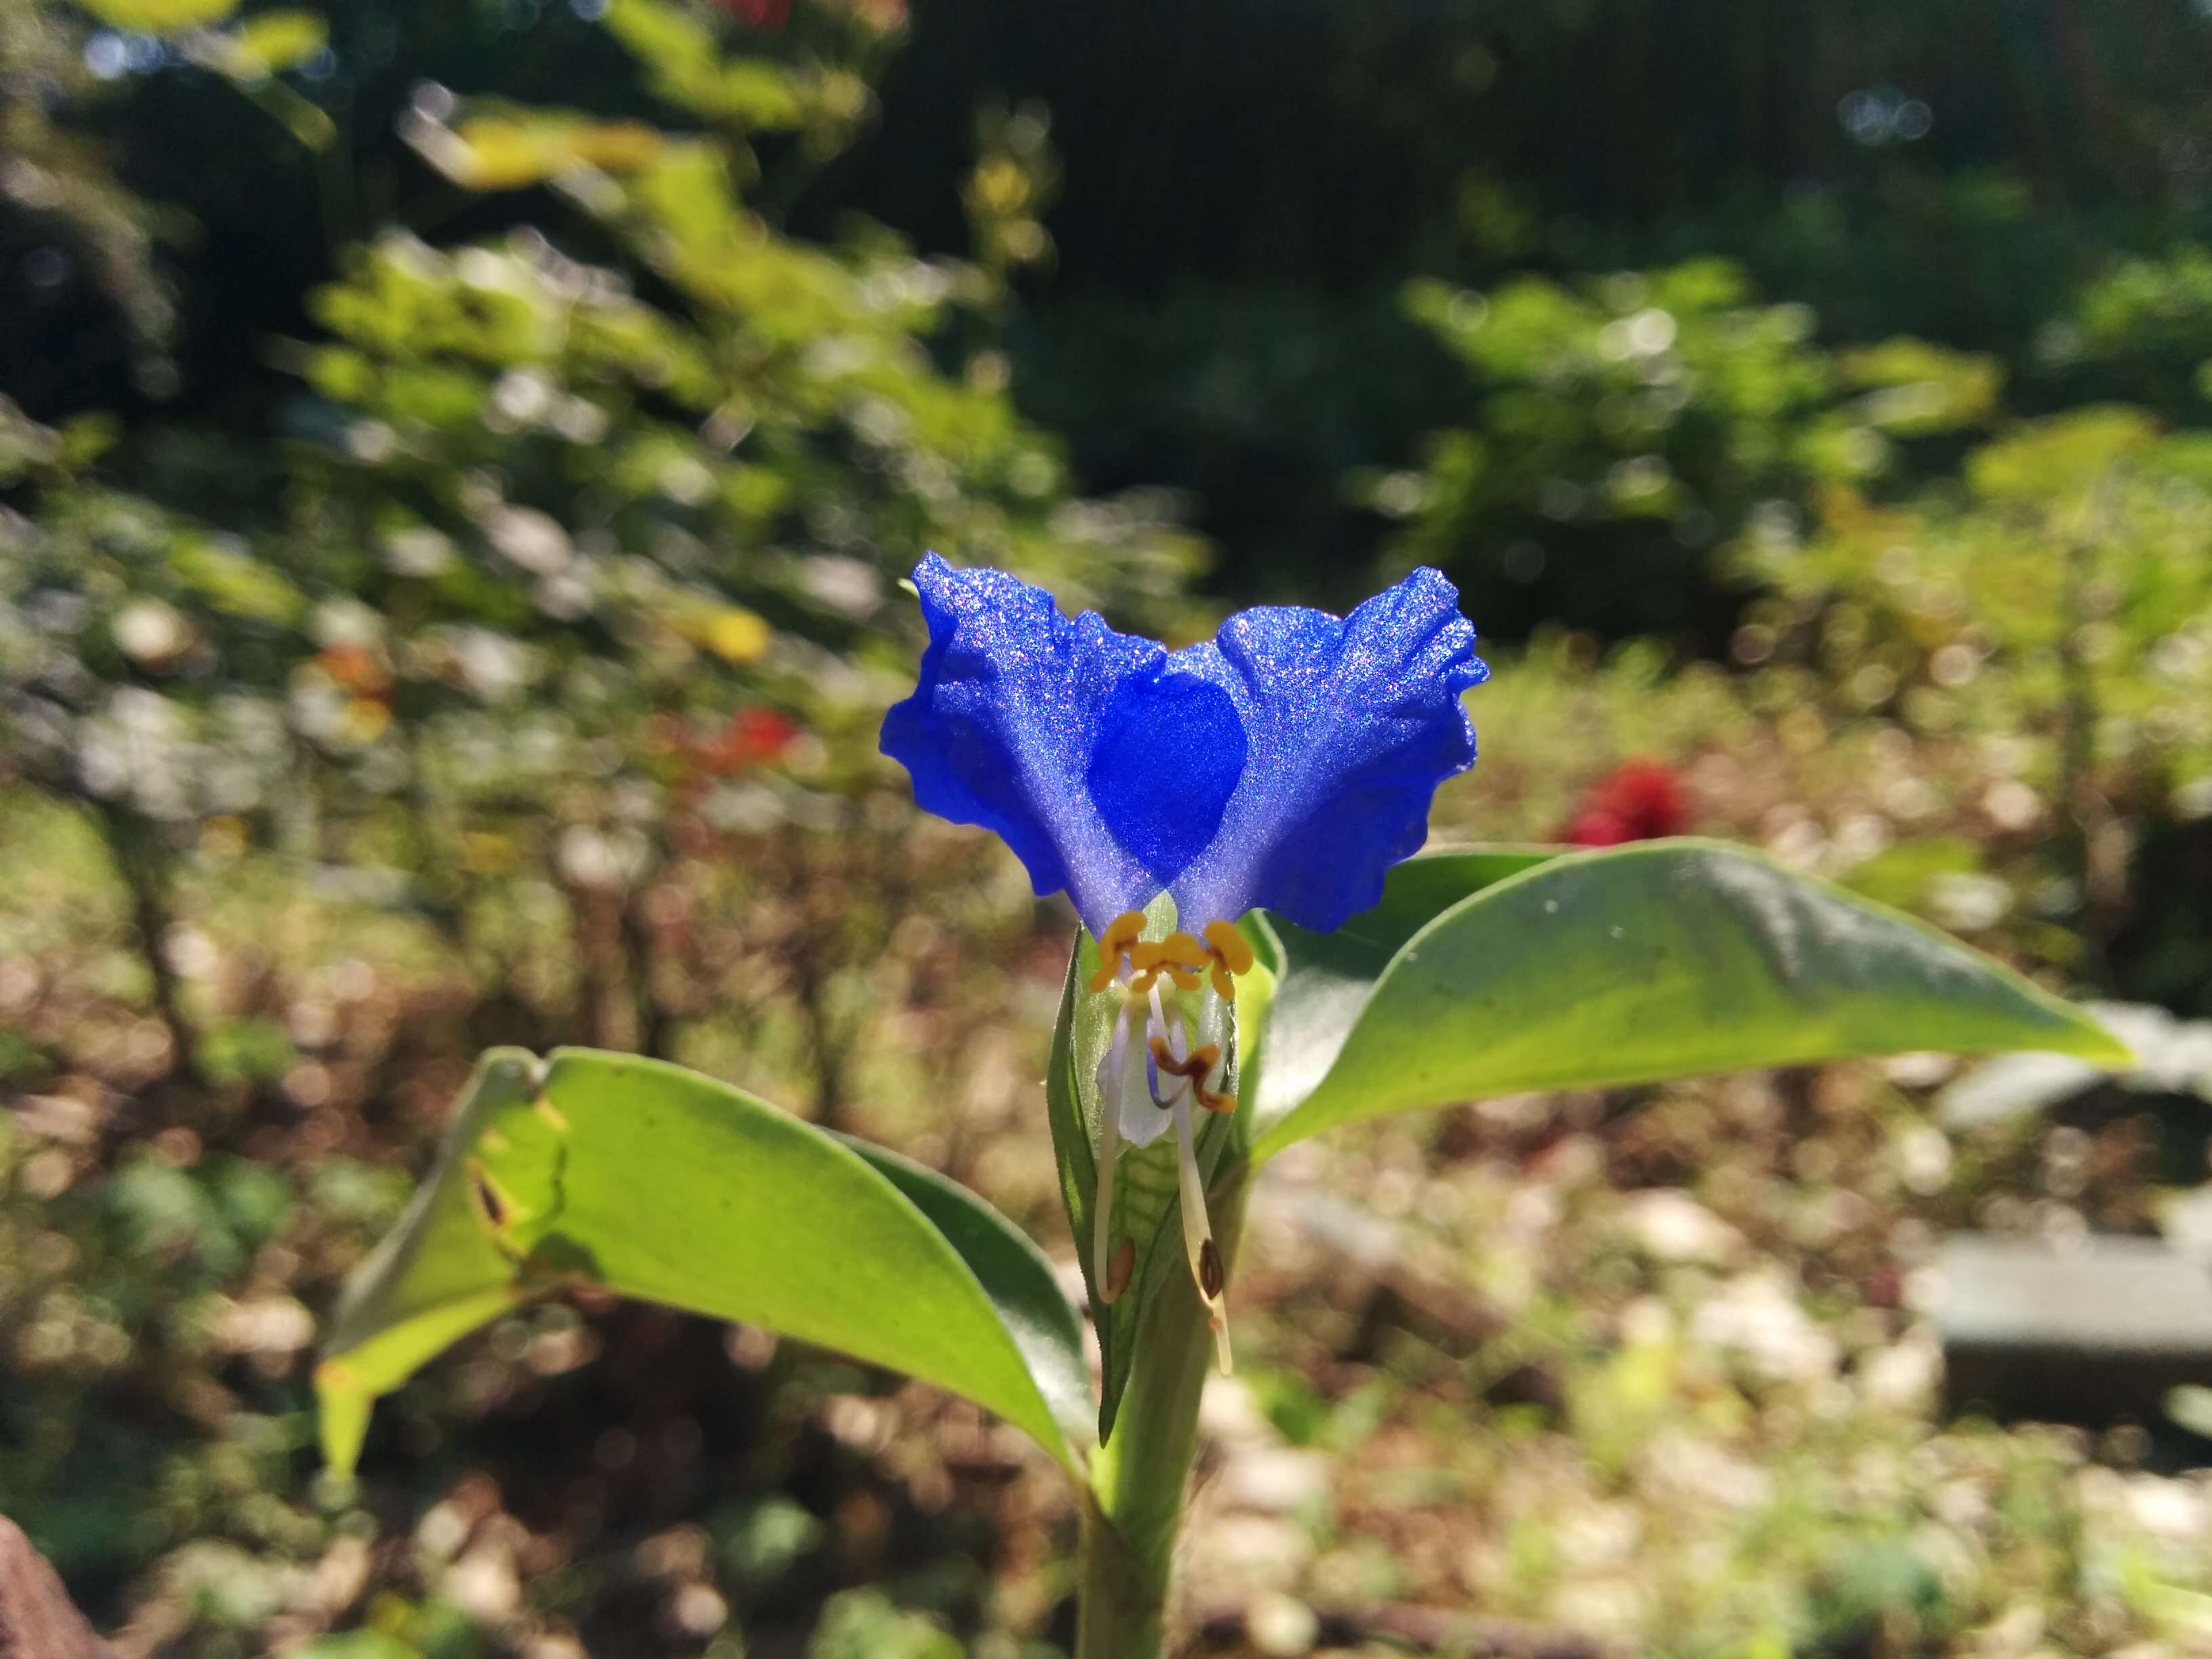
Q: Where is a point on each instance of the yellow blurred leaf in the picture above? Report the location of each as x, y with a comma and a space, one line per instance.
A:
488, 854
233, 582
222, 837
159, 16
1914, 388
367, 720
2063, 456
735, 635
999, 187
616, 146
498, 152
273, 41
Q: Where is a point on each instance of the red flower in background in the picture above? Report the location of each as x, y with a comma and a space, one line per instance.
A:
759, 14
1637, 800
754, 736
750, 737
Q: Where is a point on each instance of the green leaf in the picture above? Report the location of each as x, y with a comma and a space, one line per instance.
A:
516, 149
271, 42
1660, 960
653, 1181
159, 16
1013, 1272
1312, 1009
687, 66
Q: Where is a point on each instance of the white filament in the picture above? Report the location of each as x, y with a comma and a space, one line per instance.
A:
1109, 1148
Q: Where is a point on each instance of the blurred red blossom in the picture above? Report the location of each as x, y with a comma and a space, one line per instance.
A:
750, 737
753, 737
1640, 799
759, 14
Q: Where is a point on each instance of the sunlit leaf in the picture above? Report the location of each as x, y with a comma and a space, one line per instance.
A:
735, 635
687, 68
233, 582
1310, 1011
653, 1181
159, 16
1660, 960
508, 152
271, 42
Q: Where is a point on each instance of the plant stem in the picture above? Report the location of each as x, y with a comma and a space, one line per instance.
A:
1133, 1511
144, 864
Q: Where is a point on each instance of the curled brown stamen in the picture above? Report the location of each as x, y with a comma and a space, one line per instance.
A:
1194, 1071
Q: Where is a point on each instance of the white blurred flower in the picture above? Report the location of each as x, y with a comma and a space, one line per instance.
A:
151, 632
418, 552
1756, 1319
532, 539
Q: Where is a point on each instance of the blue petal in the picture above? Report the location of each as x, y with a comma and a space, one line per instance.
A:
1350, 724
1169, 755
1001, 729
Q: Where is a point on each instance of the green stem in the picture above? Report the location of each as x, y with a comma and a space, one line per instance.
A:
1133, 1511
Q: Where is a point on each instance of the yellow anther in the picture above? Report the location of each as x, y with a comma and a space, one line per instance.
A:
1230, 953
1119, 939
1178, 956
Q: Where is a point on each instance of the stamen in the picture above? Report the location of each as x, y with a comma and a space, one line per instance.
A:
1152, 1077
1230, 953
1178, 956
1109, 1148
1154, 1047
1119, 938
1206, 1271
1194, 1072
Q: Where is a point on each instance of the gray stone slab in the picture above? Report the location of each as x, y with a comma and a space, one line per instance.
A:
2090, 1332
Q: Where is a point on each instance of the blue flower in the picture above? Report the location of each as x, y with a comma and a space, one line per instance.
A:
1286, 763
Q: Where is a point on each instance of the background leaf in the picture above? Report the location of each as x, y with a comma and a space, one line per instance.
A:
159, 16
1653, 961
655, 1182
271, 42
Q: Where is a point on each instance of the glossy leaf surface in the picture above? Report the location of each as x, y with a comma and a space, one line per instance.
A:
1659, 960
654, 1182
160, 16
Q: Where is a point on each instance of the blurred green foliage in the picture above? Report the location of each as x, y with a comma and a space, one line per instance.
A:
457, 462
1623, 433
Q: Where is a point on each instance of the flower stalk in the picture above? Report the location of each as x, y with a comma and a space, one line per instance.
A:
1132, 1513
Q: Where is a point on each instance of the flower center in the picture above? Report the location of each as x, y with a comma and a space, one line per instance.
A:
1221, 956
1176, 1074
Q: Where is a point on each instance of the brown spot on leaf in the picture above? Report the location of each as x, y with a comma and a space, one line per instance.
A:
1118, 1269
494, 1208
